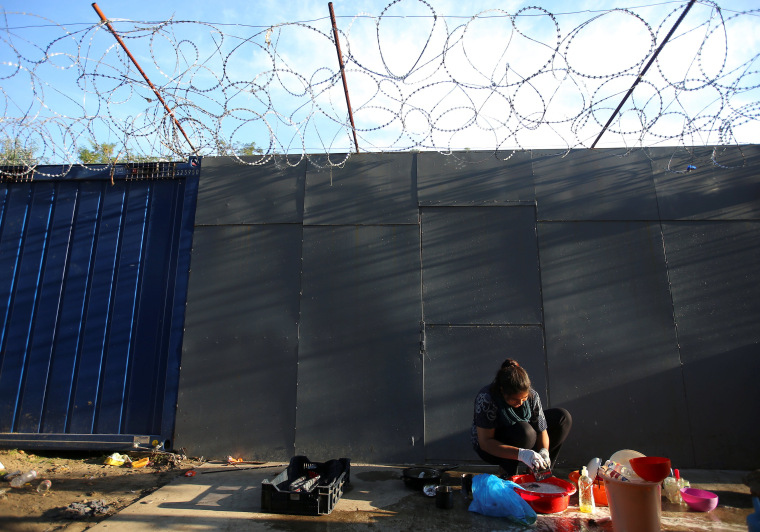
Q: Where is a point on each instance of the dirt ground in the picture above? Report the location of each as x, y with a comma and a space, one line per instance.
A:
84, 490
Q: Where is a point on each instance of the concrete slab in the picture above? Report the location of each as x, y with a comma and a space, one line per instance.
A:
227, 498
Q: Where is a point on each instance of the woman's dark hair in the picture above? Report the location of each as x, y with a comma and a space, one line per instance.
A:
510, 379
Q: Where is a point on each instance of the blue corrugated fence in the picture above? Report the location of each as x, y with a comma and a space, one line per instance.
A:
93, 281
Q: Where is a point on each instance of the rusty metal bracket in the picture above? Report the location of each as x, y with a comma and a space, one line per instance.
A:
641, 75
343, 74
144, 75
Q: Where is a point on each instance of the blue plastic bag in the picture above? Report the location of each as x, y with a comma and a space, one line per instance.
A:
497, 498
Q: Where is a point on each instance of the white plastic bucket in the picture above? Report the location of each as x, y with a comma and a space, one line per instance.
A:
634, 506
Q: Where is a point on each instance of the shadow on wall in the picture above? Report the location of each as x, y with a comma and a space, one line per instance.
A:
693, 430
603, 305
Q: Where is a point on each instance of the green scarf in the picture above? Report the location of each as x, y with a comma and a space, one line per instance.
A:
511, 415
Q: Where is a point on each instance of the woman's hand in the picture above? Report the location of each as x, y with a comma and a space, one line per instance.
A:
531, 459
545, 455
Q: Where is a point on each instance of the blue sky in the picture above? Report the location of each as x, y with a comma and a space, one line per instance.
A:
397, 92
267, 12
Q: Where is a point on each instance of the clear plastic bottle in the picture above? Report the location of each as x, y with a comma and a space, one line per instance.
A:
617, 471
670, 490
585, 492
671, 487
22, 479
681, 483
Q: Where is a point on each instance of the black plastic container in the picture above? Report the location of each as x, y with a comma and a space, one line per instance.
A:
444, 497
334, 477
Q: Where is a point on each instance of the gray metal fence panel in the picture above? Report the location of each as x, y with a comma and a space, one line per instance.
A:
370, 189
360, 367
716, 296
235, 193
474, 178
238, 380
594, 185
707, 184
480, 266
611, 344
459, 362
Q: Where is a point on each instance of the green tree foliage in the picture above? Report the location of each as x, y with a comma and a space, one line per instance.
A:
249, 149
99, 154
13, 153
142, 158
239, 148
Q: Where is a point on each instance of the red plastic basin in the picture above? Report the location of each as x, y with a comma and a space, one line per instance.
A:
651, 468
545, 503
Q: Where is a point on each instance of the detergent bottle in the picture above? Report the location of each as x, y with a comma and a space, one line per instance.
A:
585, 492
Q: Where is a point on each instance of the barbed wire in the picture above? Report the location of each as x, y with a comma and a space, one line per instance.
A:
496, 82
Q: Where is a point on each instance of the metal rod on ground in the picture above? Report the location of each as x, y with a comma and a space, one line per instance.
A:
150, 84
343, 74
656, 53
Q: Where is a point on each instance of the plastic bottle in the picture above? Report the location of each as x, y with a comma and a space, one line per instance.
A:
585, 492
670, 490
617, 471
681, 483
22, 479
44, 487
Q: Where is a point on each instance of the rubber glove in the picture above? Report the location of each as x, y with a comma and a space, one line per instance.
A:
531, 459
545, 455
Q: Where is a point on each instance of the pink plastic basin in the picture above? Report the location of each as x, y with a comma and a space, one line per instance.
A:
699, 500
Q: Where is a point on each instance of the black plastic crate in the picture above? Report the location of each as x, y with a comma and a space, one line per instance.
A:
277, 495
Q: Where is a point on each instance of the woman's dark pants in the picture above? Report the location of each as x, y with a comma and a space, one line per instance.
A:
525, 436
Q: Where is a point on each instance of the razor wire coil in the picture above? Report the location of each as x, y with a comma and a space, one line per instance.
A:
495, 81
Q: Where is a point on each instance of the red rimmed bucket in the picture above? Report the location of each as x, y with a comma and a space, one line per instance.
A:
545, 503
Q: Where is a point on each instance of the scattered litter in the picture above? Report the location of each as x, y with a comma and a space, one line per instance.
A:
20, 480
44, 487
117, 459
690, 168
2, 466
142, 462
430, 490
190, 473
231, 461
78, 510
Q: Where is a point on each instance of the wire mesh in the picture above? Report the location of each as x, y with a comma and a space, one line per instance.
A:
496, 82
